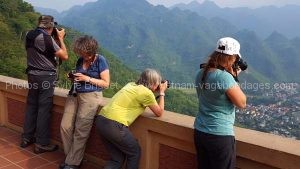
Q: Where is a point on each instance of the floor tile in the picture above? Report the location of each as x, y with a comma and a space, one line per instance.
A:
49, 166
4, 132
13, 166
19, 156
89, 166
8, 149
4, 162
12, 156
13, 139
53, 156
3, 143
32, 163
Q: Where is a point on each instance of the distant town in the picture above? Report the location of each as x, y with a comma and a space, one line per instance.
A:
274, 111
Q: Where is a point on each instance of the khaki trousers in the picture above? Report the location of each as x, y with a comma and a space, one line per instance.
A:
76, 124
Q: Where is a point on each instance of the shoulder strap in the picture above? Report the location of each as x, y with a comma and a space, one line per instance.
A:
79, 62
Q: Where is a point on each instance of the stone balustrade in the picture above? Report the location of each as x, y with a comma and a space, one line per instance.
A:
167, 141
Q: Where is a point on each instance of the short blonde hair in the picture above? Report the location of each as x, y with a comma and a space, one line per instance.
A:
149, 77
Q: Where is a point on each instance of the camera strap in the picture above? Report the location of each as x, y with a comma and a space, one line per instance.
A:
203, 65
235, 77
235, 70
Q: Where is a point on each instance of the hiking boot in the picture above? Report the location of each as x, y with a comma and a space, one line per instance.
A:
38, 149
26, 142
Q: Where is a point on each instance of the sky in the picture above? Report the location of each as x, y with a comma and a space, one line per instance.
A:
61, 5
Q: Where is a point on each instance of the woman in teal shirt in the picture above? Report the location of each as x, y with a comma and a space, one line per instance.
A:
218, 94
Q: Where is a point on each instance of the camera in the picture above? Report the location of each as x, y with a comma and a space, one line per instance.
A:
163, 81
240, 63
54, 34
72, 91
71, 75
168, 85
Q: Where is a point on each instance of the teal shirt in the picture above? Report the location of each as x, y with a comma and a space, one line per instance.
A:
216, 112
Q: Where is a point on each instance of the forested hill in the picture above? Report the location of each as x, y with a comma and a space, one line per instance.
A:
17, 17
176, 41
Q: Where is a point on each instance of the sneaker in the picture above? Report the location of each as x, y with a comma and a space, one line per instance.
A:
63, 165
38, 149
71, 167
26, 142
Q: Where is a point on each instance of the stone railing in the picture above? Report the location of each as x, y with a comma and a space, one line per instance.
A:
167, 142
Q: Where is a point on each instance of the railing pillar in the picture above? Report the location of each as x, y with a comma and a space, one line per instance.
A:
3, 109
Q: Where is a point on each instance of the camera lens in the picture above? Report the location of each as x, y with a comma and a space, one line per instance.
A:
168, 85
240, 64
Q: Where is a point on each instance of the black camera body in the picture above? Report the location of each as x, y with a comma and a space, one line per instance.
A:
163, 81
72, 91
54, 34
71, 75
240, 63
168, 85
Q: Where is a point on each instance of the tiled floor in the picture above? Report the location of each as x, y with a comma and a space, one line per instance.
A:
14, 157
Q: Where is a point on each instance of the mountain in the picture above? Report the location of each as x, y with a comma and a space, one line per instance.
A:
263, 21
287, 52
172, 40
143, 35
47, 11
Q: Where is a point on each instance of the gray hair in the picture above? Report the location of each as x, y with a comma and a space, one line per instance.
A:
85, 44
149, 77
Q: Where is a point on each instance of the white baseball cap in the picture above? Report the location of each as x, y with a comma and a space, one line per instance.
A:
229, 46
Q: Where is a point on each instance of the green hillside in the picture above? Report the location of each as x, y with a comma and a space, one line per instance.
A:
16, 18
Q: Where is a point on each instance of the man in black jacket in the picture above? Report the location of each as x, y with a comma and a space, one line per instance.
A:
42, 55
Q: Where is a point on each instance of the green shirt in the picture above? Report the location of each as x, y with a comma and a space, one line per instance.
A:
128, 103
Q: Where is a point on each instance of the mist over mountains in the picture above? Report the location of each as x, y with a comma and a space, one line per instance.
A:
263, 20
176, 41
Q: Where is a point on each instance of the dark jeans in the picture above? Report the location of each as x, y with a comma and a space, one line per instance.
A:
214, 151
38, 110
119, 142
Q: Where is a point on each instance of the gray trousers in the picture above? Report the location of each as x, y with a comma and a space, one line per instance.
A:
120, 143
38, 110
76, 124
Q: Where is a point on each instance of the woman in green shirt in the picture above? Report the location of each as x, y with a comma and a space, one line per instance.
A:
125, 106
